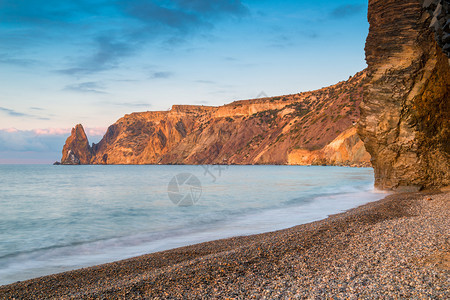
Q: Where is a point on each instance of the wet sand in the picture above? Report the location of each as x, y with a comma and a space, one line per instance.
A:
398, 247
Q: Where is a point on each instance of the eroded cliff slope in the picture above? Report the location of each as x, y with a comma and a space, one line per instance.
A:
406, 110
289, 129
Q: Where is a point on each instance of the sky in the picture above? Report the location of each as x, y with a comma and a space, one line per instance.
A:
93, 61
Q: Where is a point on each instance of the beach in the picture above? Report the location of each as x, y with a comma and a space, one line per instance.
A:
397, 247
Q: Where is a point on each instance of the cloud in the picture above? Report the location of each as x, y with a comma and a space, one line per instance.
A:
51, 131
9, 60
21, 141
121, 27
205, 81
41, 140
106, 55
153, 14
129, 104
13, 113
182, 15
86, 87
90, 131
96, 131
203, 102
161, 75
224, 6
347, 10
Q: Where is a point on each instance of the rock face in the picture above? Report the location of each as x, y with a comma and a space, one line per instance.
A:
406, 110
345, 150
76, 151
260, 131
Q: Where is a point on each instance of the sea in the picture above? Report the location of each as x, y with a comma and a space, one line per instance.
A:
59, 218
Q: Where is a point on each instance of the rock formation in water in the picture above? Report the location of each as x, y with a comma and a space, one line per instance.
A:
405, 115
76, 151
289, 129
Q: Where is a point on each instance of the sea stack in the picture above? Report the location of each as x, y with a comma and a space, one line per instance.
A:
76, 150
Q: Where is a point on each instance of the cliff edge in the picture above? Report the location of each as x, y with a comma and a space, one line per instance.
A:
405, 113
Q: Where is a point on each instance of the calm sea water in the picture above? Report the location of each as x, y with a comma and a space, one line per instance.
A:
58, 218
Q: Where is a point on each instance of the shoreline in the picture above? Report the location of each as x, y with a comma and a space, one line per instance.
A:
382, 248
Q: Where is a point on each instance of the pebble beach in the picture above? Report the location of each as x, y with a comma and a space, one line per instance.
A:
398, 247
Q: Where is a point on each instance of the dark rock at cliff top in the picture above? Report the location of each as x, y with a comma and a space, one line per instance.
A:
439, 10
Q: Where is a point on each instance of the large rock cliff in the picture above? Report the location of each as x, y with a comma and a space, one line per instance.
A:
406, 110
289, 129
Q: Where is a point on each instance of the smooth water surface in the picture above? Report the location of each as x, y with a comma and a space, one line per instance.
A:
58, 218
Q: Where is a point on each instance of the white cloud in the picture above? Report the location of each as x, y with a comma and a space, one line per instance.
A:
40, 140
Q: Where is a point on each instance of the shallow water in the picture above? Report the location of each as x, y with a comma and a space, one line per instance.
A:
59, 218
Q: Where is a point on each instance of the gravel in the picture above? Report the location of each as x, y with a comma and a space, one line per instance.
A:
396, 248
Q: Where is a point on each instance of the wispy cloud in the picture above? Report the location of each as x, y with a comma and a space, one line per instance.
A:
203, 102
347, 10
86, 87
161, 75
123, 27
21, 62
106, 55
14, 113
205, 81
128, 104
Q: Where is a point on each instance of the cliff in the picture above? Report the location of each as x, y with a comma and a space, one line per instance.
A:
345, 150
406, 110
276, 130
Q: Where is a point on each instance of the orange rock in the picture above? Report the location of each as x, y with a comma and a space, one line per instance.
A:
258, 131
76, 150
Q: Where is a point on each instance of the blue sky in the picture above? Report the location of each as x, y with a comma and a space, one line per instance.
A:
92, 61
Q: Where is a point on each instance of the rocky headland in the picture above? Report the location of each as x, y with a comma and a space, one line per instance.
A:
312, 128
